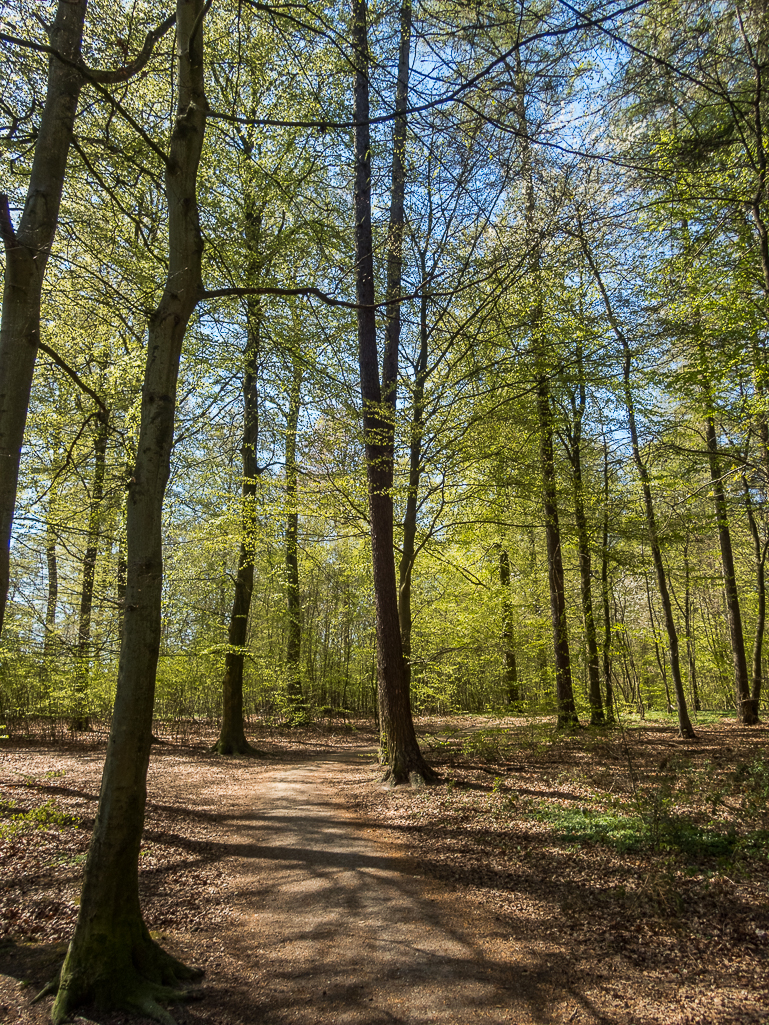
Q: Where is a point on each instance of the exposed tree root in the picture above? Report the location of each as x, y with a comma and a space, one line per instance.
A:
137, 978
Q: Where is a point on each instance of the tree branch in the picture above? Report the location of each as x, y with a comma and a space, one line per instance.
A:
74, 375
6, 224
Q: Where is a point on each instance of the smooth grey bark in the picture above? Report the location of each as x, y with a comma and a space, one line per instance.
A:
399, 746
232, 735
684, 723
112, 960
293, 599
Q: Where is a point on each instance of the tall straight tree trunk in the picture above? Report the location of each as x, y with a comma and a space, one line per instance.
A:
566, 708
512, 693
232, 735
605, 590
49, 644
684, 723
408, 555
112, 959
80, 718
567, 712
400, 749
583, 545
26, 257
747, 713
293, 602
759, 561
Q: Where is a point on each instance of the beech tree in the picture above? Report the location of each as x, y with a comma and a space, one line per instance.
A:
112, 959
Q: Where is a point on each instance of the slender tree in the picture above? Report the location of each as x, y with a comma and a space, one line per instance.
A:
112, 959
400, 749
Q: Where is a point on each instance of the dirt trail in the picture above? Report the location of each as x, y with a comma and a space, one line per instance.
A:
298, 910
330, 925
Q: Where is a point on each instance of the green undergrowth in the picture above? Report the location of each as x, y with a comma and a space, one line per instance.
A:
44, 816
699, 812
675, 834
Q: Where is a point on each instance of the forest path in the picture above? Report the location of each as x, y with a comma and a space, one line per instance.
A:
328, 923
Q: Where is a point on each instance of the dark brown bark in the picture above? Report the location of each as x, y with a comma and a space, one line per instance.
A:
26, 256
400, 749
512, 693
684, 723
293, 602
112, 960
232, 736
746, 711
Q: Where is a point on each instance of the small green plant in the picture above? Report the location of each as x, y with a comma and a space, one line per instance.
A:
487, 745
45, 816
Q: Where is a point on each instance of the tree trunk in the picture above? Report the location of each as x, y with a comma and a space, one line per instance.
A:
583, 545
508, 632
605, 590
567, 712
408, 555
759, 560
747, 713
26, 256
49, 643
566, 709
112, 960
400, 749
293, 602
80, 718
684, 723
232, 735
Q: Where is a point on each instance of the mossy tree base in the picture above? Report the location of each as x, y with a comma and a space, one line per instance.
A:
413, 771
125, 971
230, 747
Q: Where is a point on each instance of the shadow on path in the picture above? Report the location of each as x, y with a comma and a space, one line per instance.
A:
329, 926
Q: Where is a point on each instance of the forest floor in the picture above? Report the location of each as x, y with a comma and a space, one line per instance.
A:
618, 877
